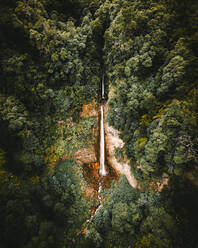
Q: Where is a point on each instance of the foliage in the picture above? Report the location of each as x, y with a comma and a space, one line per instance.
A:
50, 67
41, 213
137, 219
153, 90
51, 59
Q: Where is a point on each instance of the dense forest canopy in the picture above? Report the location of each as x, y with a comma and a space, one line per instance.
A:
52, 57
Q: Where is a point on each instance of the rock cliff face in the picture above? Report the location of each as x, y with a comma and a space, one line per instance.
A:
85, 155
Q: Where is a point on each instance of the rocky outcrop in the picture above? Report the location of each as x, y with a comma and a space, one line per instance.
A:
85, 156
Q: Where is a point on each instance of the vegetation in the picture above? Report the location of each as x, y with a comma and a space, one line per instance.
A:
52, 57
151, 68
49, 67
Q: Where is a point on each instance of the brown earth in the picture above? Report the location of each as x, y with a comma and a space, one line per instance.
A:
89, 110
85, 155
113, 141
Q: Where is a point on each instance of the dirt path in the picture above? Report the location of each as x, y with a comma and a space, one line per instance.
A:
113, 141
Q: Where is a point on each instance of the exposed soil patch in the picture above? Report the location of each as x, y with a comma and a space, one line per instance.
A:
112, 142
85, 155
91, 175
89, 110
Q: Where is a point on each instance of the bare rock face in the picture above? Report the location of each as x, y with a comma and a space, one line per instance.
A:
85, 156
112, 142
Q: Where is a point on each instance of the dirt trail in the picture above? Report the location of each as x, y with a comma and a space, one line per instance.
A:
113, 141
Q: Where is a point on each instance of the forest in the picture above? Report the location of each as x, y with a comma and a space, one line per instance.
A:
52, 57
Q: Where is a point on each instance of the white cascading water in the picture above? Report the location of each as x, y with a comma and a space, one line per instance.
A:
103, 86
102, 170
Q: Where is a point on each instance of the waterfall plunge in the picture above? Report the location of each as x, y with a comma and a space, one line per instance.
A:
103, 96
102, 150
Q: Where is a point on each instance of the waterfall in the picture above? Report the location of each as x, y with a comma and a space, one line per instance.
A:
103, 96
102, 170
102, 145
